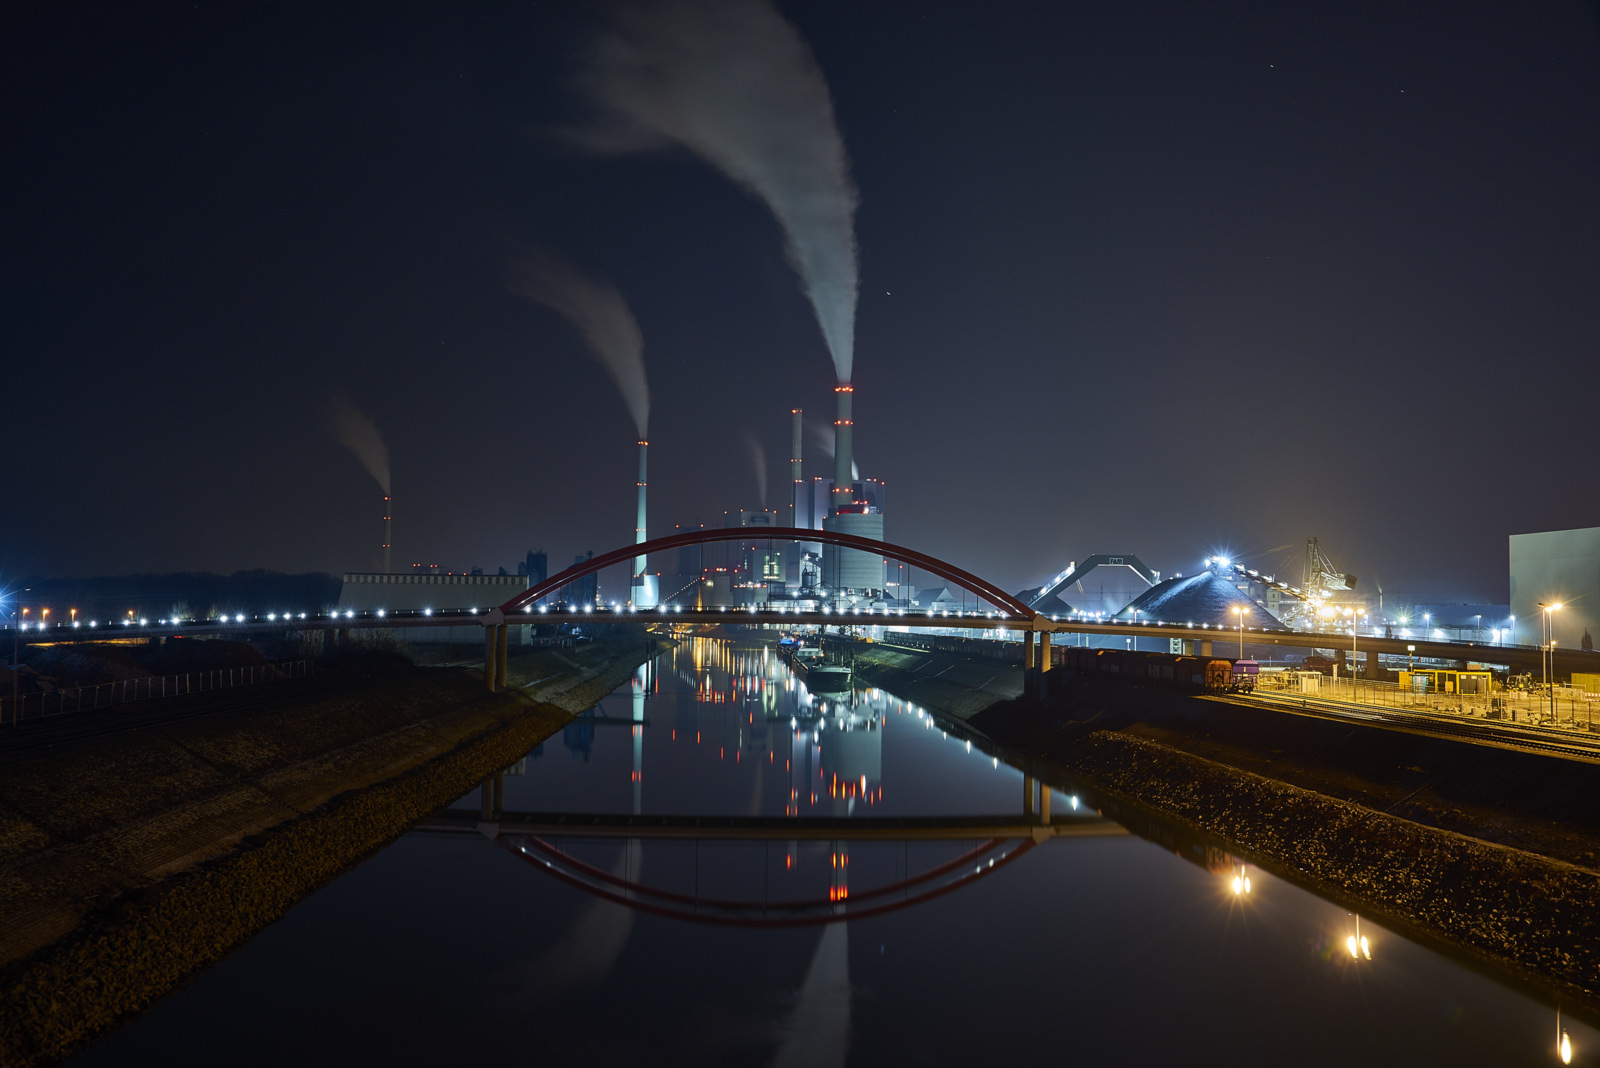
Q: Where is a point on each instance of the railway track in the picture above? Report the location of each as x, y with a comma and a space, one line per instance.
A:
1435, 724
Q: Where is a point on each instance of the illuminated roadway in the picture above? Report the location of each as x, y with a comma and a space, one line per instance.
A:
1013, 626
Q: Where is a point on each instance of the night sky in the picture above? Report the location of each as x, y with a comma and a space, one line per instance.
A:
1161, 279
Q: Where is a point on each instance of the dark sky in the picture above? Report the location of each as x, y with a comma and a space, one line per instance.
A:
1154, 278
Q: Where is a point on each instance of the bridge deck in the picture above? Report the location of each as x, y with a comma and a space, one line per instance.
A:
775, 828
1524, 656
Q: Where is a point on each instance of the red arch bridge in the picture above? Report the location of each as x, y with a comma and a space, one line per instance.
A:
984, 606
988, 844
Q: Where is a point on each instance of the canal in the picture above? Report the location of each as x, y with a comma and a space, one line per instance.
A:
918, 936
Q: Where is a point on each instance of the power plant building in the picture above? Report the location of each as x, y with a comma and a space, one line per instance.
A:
372, 591
1556, 567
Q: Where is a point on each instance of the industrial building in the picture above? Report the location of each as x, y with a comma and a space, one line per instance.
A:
843, 503
1556, 567
374, 591
1098, 585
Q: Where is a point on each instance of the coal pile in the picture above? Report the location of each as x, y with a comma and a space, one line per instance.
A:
1203, 598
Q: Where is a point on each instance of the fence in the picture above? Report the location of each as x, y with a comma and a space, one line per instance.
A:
1559, 706
150, 688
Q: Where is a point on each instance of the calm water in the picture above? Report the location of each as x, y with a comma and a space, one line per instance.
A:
1095, 948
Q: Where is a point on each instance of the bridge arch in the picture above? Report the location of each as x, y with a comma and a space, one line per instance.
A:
1011, 606
906, 892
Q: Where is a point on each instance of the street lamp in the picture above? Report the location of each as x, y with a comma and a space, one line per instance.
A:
1240, 611
15, 662
1411, 657
1547, 634
1351, 612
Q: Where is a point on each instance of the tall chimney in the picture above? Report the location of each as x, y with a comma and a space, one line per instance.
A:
843, 493
638, 532
799, 514
388, 530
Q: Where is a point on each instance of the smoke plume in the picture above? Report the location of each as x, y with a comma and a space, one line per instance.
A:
758, 456
822, 438
600, 314
732, 81
356, 432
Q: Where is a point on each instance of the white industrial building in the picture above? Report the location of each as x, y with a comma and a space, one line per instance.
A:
1556, 567
370, 591
412, 592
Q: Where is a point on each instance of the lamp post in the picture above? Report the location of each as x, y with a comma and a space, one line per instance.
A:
1411, 657
1547, 649
1239, 612
15, 662
1351, 612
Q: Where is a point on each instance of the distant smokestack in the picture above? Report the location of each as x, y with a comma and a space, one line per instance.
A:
639, 531
388, 532
842, 465
799, 515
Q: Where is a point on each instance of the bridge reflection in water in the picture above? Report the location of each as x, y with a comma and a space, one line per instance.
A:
745, 699
717, 789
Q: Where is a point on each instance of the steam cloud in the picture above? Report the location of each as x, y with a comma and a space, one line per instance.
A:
822, 438
758, 456
600, 314
733, 82
358, 433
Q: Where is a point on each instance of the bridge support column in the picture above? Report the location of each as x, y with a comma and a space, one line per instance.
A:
1044, 802
1029, 785
486, 806
488, 658
500, 637
1043, 683
1027, 650
1205, 646
499, 791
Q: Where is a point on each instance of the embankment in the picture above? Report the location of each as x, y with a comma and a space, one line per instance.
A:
951, 683
1315, 802
130, 865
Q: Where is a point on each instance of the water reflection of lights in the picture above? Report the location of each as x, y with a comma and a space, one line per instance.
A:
1241, 883
1357, 944
1563, 1041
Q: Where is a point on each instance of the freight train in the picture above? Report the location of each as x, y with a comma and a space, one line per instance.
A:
1208, 673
